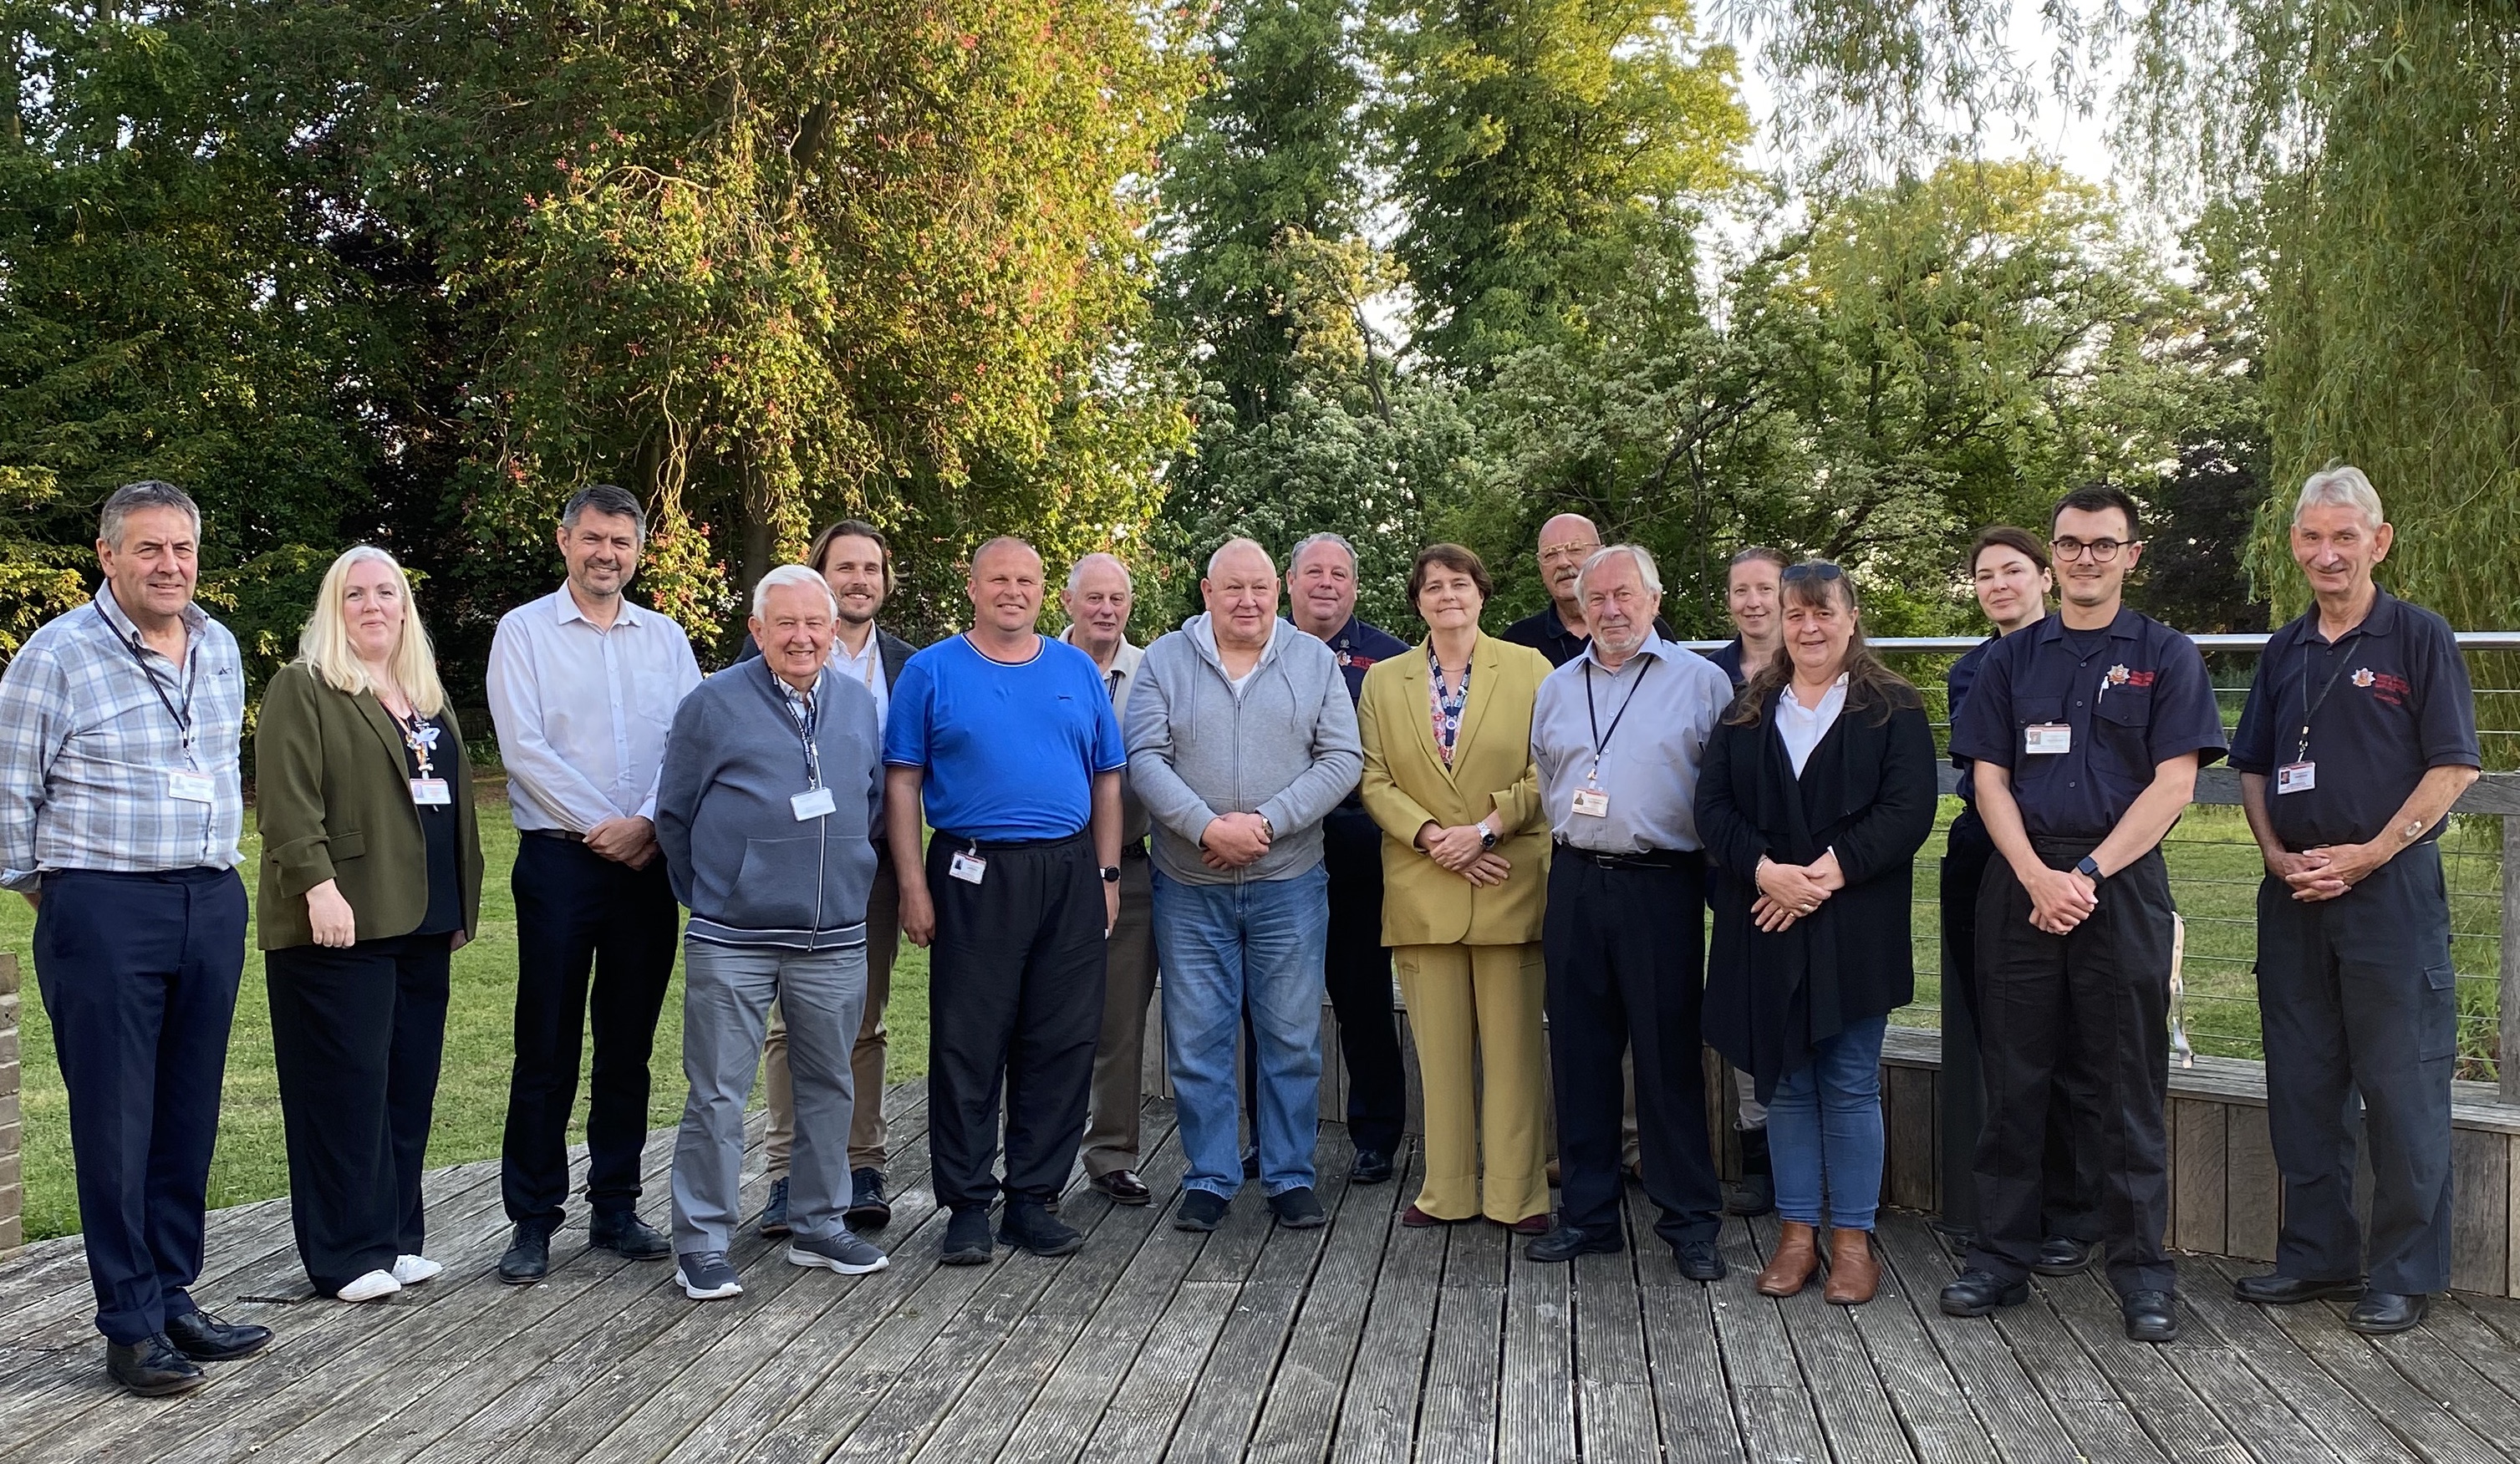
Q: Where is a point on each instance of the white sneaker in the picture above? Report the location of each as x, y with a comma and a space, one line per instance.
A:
375, 1285
411, 1270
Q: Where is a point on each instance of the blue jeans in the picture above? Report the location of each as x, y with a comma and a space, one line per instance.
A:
1824, 1120
1225, 949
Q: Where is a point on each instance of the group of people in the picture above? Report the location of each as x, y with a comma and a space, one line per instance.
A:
1268, 807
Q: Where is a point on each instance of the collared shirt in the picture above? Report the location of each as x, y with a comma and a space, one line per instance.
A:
87, 739
1120, 678
1546, 633
1802, 727
1010, 751
1726, 658
1358, 647
2131, 695
1957, 685
583, 711
865, 668
1649, 771
2385, 703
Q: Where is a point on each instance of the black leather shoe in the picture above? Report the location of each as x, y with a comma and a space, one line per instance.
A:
1977, 1292
2063, 1256
967, 1238
1755, 1194
528, 1258
2291, 1291
2380, 1313
1370, 1167
1028, 1226
1698, 1260
152, 1367
2150, 1316
868, 1210
773, 1223
204, 1338
1567, 1242
1124, 1187
628, 1236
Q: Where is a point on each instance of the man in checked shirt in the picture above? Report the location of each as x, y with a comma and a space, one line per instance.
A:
120, 811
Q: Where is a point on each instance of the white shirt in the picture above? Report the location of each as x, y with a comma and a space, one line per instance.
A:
866, 669
582, 712
1802, 727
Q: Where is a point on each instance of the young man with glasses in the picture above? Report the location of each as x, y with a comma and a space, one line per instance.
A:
2085, 731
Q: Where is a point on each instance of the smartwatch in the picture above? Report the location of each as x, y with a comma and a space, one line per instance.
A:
2090, 868
1111, 873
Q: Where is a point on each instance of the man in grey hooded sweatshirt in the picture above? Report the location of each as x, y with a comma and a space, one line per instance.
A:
1242, 739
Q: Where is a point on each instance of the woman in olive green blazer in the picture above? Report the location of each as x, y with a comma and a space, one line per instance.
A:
371, 878
1449, 777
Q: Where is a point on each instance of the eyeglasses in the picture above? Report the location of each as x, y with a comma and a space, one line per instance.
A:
1811, 569
2100, 551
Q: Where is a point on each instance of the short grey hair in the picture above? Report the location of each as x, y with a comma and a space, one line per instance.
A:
132, 498
1238, 541
1295, 555
1076, 571
1635, 553
2341, 485
606, 497
790, 574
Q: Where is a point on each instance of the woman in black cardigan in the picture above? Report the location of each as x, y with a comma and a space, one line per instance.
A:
1816, 791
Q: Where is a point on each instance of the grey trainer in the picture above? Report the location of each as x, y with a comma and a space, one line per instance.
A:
705, 1277
846, 1252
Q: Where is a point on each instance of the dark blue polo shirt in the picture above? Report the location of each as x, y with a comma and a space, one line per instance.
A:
2136, 694
1956, 683
1728, 659
2386, 703
1358, 645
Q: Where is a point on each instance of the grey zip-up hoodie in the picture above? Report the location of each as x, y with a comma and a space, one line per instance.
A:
1284, 748
750, 871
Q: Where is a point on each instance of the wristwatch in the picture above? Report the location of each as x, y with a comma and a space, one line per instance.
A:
2090, 868
1111, 873
1487, 838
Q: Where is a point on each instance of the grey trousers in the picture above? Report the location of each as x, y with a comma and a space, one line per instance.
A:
727, 990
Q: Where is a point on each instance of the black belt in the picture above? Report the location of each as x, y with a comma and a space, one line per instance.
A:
1649, 859
561, 834
1000, 846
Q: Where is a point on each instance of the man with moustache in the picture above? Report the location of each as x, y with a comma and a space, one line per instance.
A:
1004, 739
583, 687
1559, 630
856, 562
1321, 592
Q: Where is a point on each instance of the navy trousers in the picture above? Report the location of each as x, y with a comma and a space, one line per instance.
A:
1356, 971
139, 976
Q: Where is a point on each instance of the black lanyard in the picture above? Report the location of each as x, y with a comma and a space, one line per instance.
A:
807, 717
2310, 705
1600, 738
183, 715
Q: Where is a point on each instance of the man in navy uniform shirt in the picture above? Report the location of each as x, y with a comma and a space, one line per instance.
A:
1560, 630
2086, 731
1321, 592
2361, 719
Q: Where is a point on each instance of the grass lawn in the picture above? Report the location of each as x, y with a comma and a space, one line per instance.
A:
252, 1163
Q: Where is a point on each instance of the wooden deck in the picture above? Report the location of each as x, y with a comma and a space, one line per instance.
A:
1363, 1341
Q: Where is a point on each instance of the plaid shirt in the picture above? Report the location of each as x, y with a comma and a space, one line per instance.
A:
86, 745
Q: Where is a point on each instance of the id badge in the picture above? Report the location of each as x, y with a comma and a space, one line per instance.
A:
2047, 740
191, 788
2296, 778
1592, 802
967, 866
429, 792
812, 803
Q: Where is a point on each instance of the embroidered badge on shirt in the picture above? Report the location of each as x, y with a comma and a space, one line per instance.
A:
2362, 677
2118, 675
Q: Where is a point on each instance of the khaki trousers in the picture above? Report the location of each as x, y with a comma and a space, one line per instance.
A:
865, 1056
1474, 1015
1120, 1052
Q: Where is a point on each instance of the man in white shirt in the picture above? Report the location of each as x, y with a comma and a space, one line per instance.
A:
583, 687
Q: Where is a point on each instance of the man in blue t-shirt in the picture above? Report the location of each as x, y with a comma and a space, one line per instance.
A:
1006, 739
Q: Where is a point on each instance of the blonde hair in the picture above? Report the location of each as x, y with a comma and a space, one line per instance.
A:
324, 648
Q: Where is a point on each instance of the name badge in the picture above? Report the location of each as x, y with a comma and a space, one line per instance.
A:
812, 803
1592, 802
2047, 740
191, 788
966, 867
429, 792
2296, 778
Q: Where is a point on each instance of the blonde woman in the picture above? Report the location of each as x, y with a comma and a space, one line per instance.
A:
371, 879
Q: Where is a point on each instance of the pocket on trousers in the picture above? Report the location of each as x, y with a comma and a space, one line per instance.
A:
2440, 997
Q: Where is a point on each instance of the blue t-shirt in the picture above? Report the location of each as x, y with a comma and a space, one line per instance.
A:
1010, 751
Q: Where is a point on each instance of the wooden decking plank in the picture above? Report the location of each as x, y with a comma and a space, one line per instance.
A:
2457, 1325
2332, 1414
1855, 1412
1456, 1416
2016, 1416
1769, 1393
2185, 1424
1137, 1422
2448, 1380
1376, 1420
1920, 1384
1300, 1413
1614, 1398
1535, 1417
1692, 1400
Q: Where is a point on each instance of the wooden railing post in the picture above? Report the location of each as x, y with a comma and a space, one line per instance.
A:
2507, 997
12, 1187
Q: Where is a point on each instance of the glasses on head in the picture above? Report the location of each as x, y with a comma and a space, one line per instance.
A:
1811, 569
2100, 551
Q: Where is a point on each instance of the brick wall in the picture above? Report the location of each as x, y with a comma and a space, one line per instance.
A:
12, 1190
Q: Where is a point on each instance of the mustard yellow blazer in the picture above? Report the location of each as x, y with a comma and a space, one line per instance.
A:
1407, 785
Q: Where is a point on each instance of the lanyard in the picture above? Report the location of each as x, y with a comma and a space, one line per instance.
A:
1600, 738
807, 717
183, 716
2310, 705
419, 735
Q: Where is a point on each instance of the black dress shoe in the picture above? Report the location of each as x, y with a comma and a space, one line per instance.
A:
773, 1223
2063, 1256
2380, 1313
1977, 1292
1755, 1194
1567, 1242
2150, 1316
1124, 1187
152, 1367
2291, 1291
628, 1236
528, 1257
868, 1210
1698, 1260
1370, 1167
204, 1338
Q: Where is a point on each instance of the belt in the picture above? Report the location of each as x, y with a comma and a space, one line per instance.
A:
1649, 858
997, 846
561, 834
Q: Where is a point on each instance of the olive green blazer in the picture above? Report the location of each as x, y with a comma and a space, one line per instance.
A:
332, 792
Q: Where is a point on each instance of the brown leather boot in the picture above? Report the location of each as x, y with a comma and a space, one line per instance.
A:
1798, 1255
1854, 1274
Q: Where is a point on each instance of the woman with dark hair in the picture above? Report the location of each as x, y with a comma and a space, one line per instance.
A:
1449, 777
1816, 791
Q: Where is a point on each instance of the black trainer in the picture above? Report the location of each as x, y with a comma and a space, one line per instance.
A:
1028, 1226
1298, 1209
967, 1238
1200, 1210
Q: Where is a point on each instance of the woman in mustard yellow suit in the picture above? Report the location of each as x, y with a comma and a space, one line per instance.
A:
1449, 777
